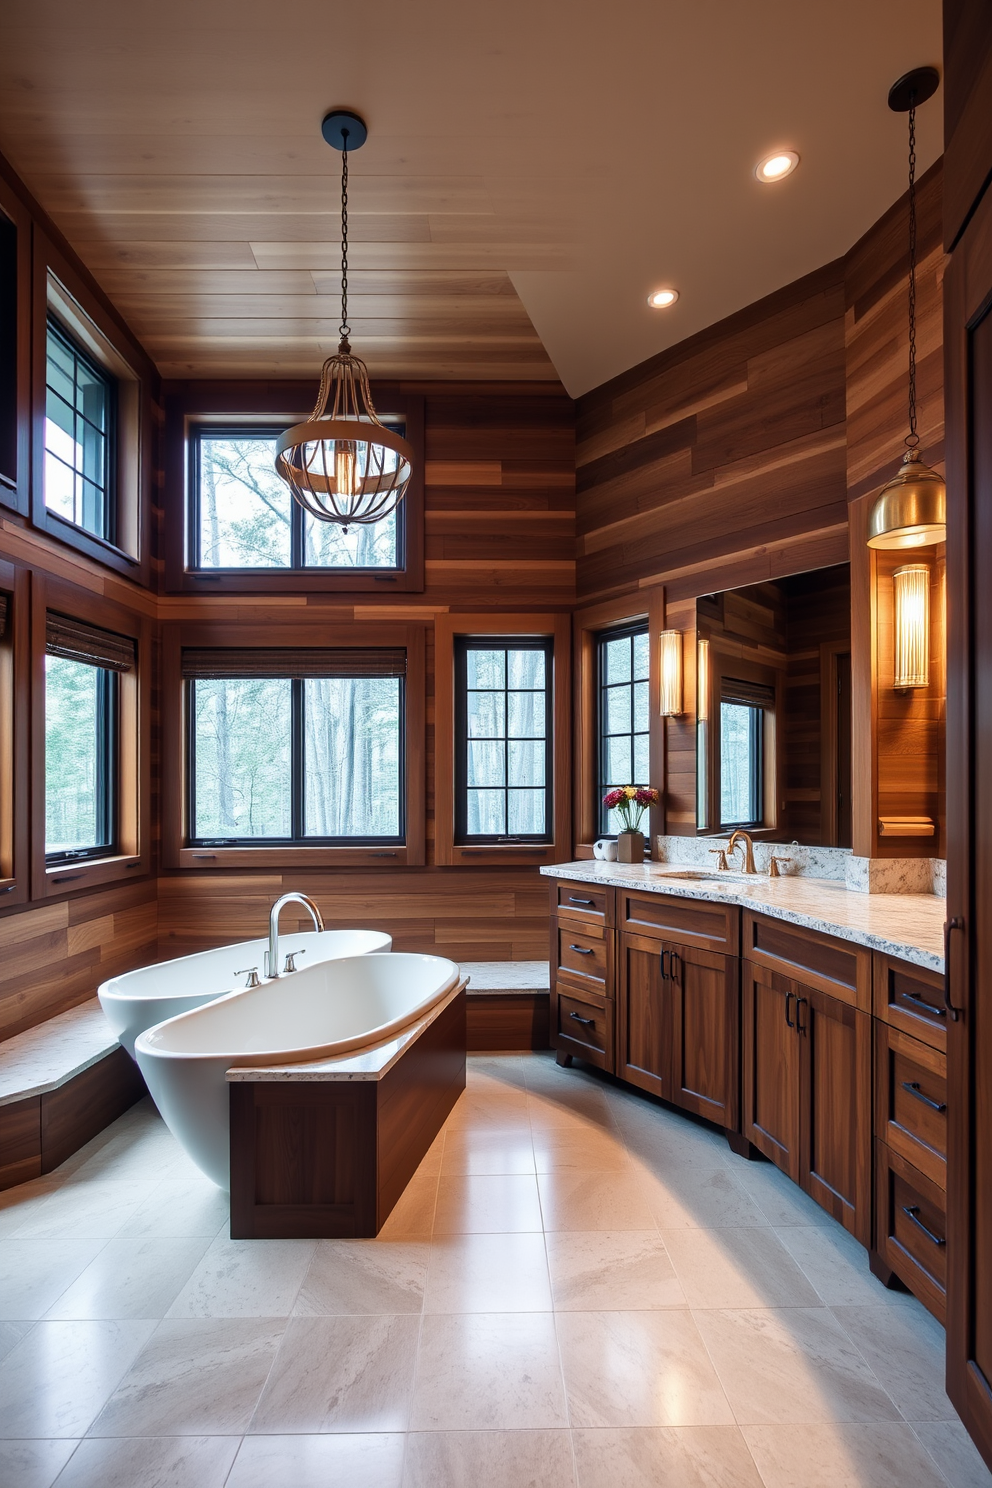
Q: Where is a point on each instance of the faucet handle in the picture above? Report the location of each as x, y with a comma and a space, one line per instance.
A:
291, 959
721, 861
251, 972
773, 866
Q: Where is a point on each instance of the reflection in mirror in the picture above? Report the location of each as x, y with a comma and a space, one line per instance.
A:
773, 717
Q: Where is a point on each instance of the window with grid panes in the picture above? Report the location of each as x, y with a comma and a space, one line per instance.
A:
80, 409
503, 754
623, 658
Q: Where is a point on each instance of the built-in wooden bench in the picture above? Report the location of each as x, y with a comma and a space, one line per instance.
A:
508, 1005
60, 1084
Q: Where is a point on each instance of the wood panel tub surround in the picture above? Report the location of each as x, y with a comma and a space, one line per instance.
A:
330, 1158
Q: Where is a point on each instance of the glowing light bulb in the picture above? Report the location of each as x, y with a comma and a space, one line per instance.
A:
776, 167
345, 468
662, 298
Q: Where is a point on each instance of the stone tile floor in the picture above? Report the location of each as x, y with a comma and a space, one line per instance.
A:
579, 1289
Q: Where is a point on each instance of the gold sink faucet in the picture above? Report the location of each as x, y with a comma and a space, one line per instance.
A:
740, 838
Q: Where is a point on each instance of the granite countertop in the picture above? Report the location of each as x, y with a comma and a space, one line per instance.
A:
910, 926
358, 1064
43, 1058
507, 976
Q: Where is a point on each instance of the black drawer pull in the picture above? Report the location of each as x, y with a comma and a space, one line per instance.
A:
912, 1211
582, 950
912, 1087
572, 900
589, 1022
802, 1027
788, 1021
935, 1012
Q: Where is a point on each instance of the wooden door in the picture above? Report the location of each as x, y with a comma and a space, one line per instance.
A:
771, 1066
704, 991
644, 1047
835, 1108
968, 382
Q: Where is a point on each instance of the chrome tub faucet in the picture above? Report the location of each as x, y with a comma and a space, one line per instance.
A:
272, 954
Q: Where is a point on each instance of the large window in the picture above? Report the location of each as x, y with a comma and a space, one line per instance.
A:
83, 666
244, 517
623, 753
503, 756
295, 748
80, 436
744, 714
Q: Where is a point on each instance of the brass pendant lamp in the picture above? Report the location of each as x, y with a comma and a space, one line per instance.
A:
343, 465
911, 510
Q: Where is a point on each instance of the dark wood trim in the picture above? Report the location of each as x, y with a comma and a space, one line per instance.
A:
15, 484
222, 633
134, 858
187, 403
15, 726
497, 1021
967, 56
446, 851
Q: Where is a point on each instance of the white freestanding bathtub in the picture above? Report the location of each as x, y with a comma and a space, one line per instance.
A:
140, 999
329, 1009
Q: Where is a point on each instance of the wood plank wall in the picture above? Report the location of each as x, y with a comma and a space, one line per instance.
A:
907, 728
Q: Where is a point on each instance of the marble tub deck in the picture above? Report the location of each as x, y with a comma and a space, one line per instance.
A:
43, 1058
579, 1289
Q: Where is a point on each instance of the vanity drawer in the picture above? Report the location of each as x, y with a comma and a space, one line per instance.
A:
582, 1024
584, 955
911, 998
911, 1100
834, 966
911, 1227
584, 904
691, 922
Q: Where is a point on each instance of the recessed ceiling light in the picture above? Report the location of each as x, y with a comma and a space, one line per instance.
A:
662, 298
777, 166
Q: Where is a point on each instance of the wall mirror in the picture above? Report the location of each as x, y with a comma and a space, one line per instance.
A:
773, 723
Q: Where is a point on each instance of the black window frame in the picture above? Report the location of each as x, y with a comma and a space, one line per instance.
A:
756, 761
107, 772
603, 688
298, 787
463, 644
54, 326
297, 566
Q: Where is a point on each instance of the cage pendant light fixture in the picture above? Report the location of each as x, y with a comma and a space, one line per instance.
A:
344, 465
911, 510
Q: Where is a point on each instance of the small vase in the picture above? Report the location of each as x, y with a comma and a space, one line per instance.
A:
630, 847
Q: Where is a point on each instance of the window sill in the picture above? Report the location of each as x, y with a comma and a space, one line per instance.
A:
501, 855
288, 857
68, 878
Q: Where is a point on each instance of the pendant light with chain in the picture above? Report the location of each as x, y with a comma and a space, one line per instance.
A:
344, 465
910, 511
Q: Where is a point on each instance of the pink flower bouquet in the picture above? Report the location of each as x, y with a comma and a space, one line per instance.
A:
630, 803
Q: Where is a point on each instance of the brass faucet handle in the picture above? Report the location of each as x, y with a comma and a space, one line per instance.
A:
773, 867
290, 964
721, 859
251, 972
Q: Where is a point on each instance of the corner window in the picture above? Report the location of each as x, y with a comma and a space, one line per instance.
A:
294, 748
623, 752
82, 681
744, 711
243, 517
503, 739
80, 437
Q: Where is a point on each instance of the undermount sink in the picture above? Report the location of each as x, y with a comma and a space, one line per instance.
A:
701, 875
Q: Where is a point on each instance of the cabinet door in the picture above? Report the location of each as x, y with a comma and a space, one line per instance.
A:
835, 1108
771, 1066
644, 1050
704, 990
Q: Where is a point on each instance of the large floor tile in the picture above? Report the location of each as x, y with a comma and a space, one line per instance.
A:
672, 1456
86, 1211
11, 1334
497, 1204
56, 1380
780, 1200
572, 1199
487, 1152
639, 1369
491, 1110
836, 1265
19, 1204
905, 1347
498, 1459
362, 1276
195, 1377
794, 1366
130, 1279
737, 1268
33, 1464
412, 1216
600, 1270
955, 1453
841, 1456
175, 1461
488, 1273
179, 1209
584, 1147
572, 1107
698, 1198
245, 1278
340, 1374
488, 1371
351, 1460
35, 1273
